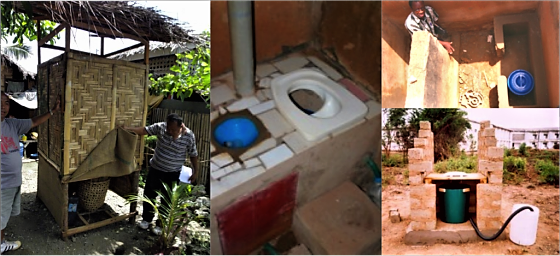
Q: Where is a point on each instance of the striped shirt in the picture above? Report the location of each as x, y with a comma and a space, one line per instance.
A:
414, 23
170, 154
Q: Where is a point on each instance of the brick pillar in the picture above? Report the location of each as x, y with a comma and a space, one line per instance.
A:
422, 196
490, 164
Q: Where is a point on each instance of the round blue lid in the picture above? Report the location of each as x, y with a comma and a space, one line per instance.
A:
520, 82
236, 133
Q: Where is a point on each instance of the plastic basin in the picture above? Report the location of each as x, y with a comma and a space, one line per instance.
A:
454, 202
520, 82
236, 133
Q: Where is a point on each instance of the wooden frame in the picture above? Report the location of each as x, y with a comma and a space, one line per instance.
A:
52, 188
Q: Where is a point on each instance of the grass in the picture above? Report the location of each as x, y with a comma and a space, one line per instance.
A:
463, 163
394, 160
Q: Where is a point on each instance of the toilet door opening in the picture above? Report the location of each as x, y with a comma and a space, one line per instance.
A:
307, 101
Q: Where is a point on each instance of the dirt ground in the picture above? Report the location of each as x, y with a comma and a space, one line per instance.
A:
40, 234
545, 197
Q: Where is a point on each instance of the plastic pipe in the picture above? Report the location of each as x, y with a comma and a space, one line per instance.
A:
240, 16
490, 238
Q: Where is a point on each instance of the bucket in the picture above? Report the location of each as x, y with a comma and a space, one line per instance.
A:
523, 228
454, 200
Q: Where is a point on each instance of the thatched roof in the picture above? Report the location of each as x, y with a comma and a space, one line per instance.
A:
156, 49
112, 19
6, 60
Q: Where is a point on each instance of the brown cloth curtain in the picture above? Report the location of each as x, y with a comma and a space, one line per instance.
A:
112, 157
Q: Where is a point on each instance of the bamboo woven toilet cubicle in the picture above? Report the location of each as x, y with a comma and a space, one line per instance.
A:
96, 95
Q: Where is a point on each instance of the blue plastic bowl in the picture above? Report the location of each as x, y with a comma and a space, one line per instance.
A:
236, 133
520, 82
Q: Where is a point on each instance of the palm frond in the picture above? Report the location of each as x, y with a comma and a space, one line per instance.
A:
17, 51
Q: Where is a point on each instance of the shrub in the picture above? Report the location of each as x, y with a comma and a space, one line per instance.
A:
463, 164
507, 152
150, 141
548, 171
515, 165
523, 149
392, 161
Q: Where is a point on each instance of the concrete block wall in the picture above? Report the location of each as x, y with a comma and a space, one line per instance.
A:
422, 196
490, 164
432, 74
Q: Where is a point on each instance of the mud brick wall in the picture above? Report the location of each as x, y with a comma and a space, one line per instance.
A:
490, 164
422, 196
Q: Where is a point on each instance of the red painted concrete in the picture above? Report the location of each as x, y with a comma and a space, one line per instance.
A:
259, 217
549, 19
354, 89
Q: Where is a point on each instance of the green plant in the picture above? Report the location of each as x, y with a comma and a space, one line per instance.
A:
392, 161
523, 149
462, 164
507, 152
548, 171
515, 165
143, 177
21, 25
191, 73
171, 210
150, 141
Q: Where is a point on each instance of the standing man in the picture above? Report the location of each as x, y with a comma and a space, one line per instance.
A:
174, 142
11, 163
424, 18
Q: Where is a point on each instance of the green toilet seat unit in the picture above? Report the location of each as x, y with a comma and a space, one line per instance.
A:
454, 202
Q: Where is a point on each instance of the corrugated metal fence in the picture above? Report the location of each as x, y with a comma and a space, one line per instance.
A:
199, 123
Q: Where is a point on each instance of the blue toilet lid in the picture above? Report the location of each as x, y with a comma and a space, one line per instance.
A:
236, 133
520, 82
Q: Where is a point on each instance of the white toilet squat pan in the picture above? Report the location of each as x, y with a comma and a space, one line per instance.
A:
340, 107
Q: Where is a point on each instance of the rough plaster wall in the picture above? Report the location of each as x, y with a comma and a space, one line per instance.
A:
277, 25
395, 49
549, 19
352, 31
461, 15
435, 72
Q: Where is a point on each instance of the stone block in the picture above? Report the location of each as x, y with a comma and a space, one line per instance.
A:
495, 153
423, 225
490, 141
427, 214
415, 179
420, 143
345, 210
484, 124
490, 166
495, 177
425, 134
415, 154
489, 132
425, 125
395, 216
424, 166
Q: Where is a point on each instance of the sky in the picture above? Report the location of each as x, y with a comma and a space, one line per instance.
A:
195, 13
515, 117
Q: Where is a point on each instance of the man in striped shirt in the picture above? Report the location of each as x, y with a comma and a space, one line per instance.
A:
424, 18
174, 142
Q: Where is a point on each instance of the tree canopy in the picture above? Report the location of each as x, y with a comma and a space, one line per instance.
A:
22, 25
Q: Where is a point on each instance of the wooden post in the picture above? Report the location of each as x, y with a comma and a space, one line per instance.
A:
68, 35
67, 115
102, 46
38, 40
146, 93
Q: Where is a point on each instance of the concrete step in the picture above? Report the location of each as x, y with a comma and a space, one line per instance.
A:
342, 221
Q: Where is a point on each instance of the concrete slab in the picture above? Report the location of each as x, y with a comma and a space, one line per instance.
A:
263, 70
341, 221
446, 233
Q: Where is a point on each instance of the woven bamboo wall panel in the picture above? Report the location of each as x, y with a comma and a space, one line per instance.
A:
57, 82
199, 123
42, 98
131, 84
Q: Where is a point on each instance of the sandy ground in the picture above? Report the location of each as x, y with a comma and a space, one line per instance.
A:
40, 234
545, 197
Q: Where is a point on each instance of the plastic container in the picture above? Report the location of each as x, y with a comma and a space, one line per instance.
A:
21, 149
236, 133
520, 82
454, 202
72, 209
523, 227
375, 192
